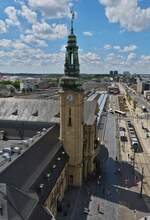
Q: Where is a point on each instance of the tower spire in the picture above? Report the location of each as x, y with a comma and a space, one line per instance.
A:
72, 20
71, 66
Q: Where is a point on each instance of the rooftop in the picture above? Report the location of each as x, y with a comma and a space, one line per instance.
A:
16, 138
30, 170
28, 109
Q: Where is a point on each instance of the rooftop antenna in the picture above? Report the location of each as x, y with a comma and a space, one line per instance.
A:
72, 19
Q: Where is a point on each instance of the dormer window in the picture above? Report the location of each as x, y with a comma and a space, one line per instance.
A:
15, 112
35, 113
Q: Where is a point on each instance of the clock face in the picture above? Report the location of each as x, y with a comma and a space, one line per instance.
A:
69, 98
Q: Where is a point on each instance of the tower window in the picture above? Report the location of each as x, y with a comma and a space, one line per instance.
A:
69, 118
71, 58
71, 179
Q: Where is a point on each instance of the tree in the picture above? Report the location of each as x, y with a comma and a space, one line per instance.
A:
16, 84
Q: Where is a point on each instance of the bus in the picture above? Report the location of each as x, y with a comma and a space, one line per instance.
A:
120, 112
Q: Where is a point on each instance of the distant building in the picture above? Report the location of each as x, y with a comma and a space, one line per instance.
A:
29, 84
113, 73
143, 84
147, 94
126, 74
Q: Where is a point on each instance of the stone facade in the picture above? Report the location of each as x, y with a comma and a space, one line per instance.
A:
58, 191
71, 132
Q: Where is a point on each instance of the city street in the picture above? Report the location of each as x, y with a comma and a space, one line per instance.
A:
140, 99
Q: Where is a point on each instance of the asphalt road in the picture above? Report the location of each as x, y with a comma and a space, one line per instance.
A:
111, 208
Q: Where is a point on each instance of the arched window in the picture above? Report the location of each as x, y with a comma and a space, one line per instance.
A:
69, 118
71, 58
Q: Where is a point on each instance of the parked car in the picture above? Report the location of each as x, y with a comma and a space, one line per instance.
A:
129, 124
122, 129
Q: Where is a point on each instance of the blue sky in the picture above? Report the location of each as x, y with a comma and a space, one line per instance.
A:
112, 35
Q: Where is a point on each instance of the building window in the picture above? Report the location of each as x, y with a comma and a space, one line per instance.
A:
69, 118
71, 179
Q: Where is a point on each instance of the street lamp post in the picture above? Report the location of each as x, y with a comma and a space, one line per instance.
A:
141, 190
147, 124
134, 161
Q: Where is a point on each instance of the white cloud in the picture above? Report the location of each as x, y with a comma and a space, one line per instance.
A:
51, 32
63, 48
108, 46
9, 44
3, 28
126, 49
28, 59
88, 33
129, 48
31, 39
31, 60
19, 45
12, 19
131, 56
90, 58
52, 8
145, 59
127, 13
116, 47
30, 15
5, 43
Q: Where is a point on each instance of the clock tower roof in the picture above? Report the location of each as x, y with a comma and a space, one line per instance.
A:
71, 66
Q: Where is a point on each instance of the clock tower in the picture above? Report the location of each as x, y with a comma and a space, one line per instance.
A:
71, 111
